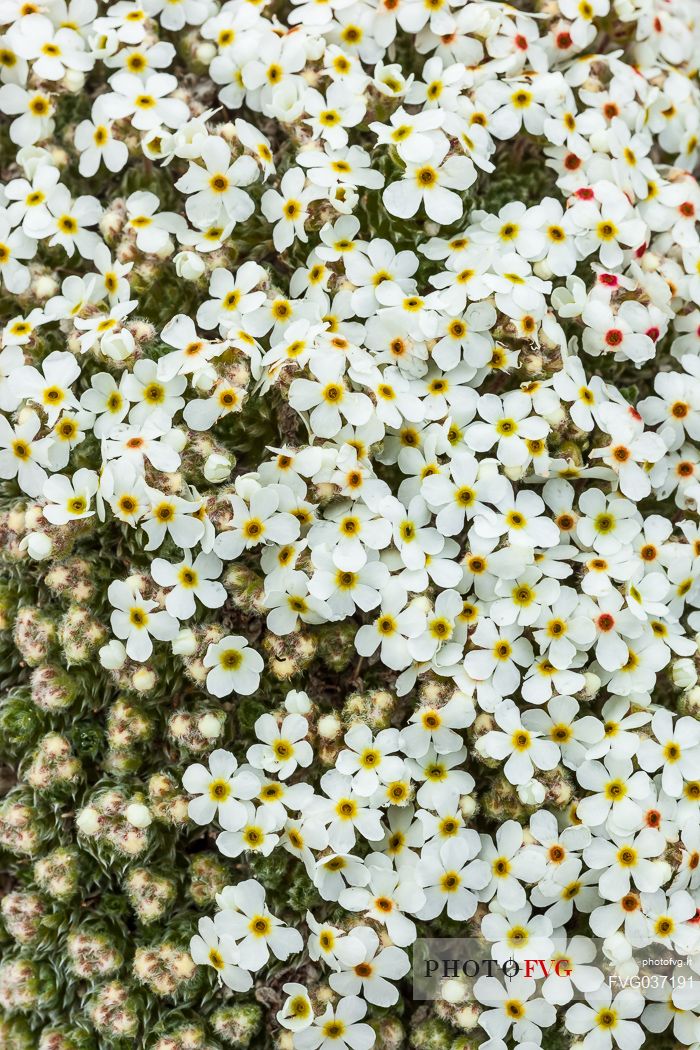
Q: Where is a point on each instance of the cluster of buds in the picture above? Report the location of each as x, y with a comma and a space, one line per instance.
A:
166, 800
53, 766
58, 873
114, 1011
34, 634
53, 689
71, 579
196, 731
92, 953
80, 635
150, 895
26, 985
117, 820
185, 1036
191, 646
129, 730
374, 708
20, 830
166, 968
22, 914
290, 654
237, 1025
207, 877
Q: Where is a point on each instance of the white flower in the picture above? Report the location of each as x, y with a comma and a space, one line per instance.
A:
524, 749
215, 188
369, 760
70, 497
392, 629
451, 878
23, 455
247, 920
283, 747
209, 949
219, 788
338, 1028
297, 1012
433, 184
135, 620
234, 667
145, 102
189, 580
607, 1020
370, 976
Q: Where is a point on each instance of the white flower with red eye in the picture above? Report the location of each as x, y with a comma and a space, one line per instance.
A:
621, 332
630, 449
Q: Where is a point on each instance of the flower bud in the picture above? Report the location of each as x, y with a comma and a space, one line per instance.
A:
138, 815
189, 265
217, 468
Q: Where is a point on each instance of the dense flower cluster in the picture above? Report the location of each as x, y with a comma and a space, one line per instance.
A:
350, 391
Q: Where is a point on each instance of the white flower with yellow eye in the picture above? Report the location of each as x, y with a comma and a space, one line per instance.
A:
207, 948
69, 498
219, 789
23, 455
215, 185
49, 388
135, 619
370, 760
332, 945
297, 1012
338, 1028
188, 580
246, 918
233, 667
146, 103
524, 749
283, 747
